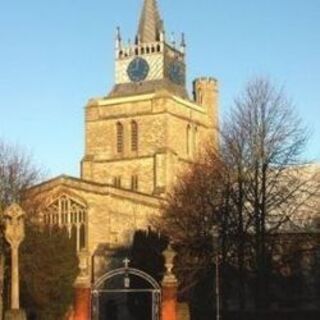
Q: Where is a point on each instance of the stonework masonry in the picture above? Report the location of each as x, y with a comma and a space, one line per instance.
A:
163, 122
138, 140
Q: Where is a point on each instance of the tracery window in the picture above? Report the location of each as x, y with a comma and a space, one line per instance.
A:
134, 136
119, 137
68, 213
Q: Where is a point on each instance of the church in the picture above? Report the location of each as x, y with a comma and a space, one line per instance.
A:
138, 139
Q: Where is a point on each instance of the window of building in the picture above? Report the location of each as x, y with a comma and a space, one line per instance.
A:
119, 137
134, 183
134, 136
117, 182
66, 212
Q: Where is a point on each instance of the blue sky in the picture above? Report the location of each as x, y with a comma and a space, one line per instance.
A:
55, 55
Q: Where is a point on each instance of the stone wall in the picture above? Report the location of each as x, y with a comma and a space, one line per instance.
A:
163, 121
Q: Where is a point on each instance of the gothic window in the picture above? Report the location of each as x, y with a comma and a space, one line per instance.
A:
134, 183
134, 136
119, 137
68, 213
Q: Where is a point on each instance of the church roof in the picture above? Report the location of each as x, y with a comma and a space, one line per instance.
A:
151, 86
72, 183
150, 25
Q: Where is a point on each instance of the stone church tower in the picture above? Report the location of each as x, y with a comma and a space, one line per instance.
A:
139, 134
138, 139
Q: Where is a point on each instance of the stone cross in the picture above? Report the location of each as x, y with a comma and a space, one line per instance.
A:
126, 262
14, 234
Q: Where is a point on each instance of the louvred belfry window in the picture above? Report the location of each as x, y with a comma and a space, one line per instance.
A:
134, 136
119, 137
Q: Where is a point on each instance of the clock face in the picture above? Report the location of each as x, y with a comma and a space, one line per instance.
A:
138, 69
176, 72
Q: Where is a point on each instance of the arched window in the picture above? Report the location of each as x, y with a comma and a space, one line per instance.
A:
188, 140
71, 214
119, 137
134, 136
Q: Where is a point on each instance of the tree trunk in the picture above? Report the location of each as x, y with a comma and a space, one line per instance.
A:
2, 259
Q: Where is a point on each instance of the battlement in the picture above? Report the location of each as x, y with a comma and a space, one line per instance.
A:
202, 80
139, 49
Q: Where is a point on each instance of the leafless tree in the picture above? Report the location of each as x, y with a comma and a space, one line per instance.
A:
253, 188
263, 143
17, 173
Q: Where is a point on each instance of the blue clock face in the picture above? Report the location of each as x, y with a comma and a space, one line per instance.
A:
176, 72
138, 70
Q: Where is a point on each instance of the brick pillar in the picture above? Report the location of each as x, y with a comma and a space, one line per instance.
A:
169, 288
82, 303
82, 289
169, 298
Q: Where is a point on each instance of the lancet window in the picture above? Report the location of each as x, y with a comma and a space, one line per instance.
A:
68, 213
119, 137
134, 136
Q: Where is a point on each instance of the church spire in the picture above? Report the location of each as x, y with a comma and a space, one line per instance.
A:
151, 25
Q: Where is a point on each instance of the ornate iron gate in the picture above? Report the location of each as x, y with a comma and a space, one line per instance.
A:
126, 294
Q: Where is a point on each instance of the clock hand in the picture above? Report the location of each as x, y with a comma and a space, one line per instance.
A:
134, 66
137, 67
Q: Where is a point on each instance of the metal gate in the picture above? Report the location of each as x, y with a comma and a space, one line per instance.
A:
126, 294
